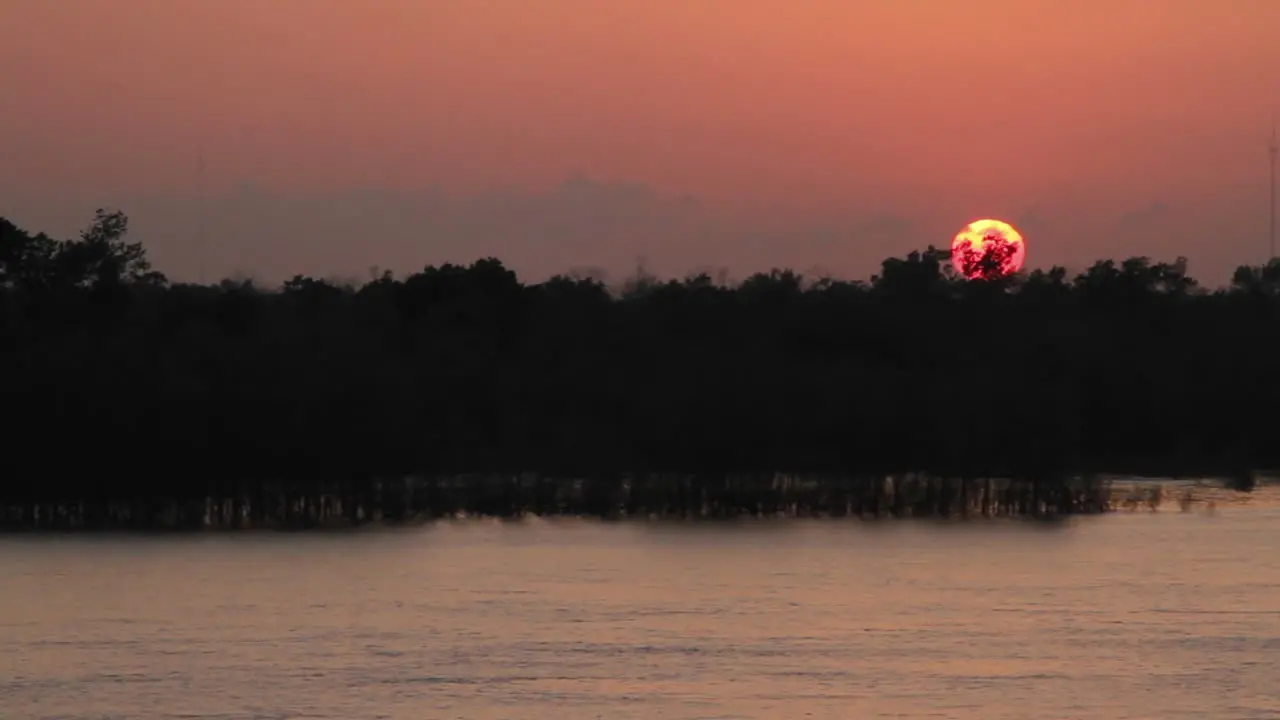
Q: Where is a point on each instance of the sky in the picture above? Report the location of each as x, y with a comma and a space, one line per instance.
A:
267, 138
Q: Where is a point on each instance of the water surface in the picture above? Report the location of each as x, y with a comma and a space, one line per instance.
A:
1144, 615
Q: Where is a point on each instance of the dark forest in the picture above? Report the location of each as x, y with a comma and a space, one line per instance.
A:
131, 399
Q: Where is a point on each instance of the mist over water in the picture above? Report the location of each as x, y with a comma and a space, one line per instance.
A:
1129, 615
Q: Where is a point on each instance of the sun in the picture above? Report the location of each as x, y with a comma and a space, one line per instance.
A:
988, 249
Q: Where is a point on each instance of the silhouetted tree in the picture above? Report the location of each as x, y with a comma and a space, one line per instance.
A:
102, 257
128, 393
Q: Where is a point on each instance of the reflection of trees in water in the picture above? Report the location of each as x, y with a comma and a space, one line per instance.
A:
1150, 497
124, 388
1200, 495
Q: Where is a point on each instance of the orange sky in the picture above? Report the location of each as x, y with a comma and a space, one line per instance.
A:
739, 133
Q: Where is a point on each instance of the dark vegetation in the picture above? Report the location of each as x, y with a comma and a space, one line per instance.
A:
131, 401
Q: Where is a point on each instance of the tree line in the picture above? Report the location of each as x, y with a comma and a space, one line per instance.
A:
120, 384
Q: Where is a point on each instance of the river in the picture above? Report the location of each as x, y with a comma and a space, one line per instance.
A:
1162, 615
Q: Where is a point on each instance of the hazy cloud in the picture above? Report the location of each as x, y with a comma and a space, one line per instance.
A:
605, 228
594, 227
1143, 215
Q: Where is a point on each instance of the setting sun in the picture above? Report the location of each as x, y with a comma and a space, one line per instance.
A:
982, 237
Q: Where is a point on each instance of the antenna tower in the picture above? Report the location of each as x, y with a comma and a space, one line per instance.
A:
201, 216
1272, 150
